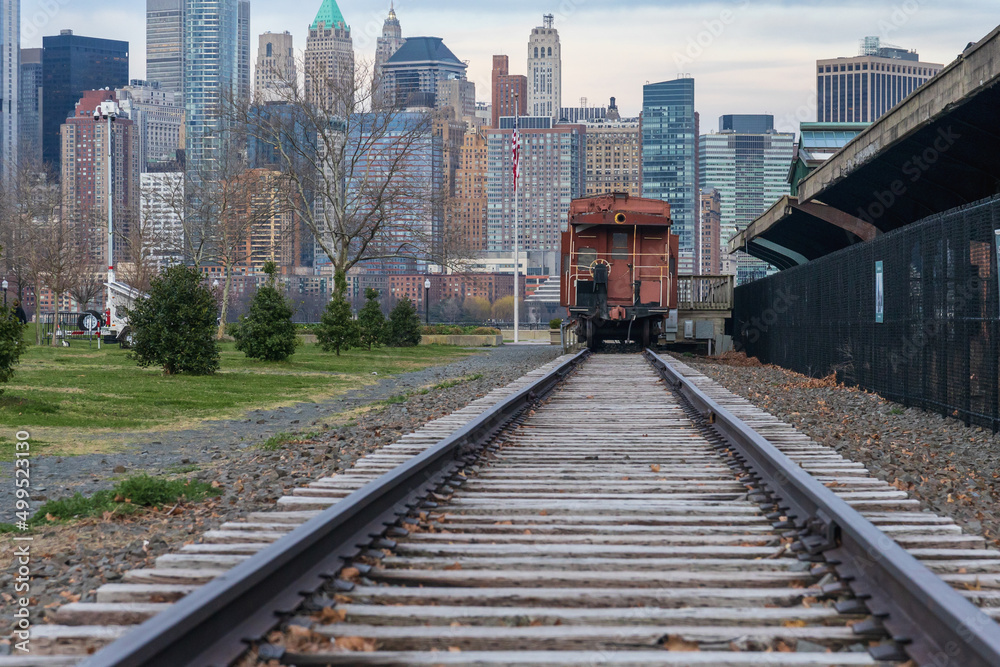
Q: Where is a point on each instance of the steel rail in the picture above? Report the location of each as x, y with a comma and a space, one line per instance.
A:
214, 625
933, 623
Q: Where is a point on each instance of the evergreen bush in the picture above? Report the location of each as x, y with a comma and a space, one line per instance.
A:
404, 325
371, 321
337, 330
175, 326
266, 332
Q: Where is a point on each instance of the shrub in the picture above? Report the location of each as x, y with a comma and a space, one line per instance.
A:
404, 325
174, 327
337, 330
11, 345
555, 323
266, 332
484, 331
371, 321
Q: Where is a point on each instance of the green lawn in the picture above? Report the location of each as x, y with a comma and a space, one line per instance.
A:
59, 394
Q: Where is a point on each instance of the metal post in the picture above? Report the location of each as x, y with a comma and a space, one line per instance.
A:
427, 301
517, 178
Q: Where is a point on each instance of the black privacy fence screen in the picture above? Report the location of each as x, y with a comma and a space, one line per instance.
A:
913, 315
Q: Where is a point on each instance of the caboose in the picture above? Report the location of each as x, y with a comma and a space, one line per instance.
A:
619, 268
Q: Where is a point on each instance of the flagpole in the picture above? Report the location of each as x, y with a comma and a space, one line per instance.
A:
517, 168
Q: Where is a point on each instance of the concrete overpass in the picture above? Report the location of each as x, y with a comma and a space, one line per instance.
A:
936, 150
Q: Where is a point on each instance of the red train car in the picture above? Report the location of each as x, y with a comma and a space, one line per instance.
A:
619, 268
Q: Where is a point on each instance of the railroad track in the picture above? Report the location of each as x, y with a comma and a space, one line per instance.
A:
637, 517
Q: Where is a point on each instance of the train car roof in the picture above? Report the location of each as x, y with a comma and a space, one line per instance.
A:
604, 209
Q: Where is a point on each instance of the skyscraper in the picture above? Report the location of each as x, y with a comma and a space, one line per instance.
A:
10, 88
211, 75
386, 45
243, 49
165, 43
544, 71
709, 255
411, 75
669, 163
551, 176
750, 171
29, 114
275, 68
158, 116
505, 87
614, 157
467, 214
329, 58
862, 88
72, 64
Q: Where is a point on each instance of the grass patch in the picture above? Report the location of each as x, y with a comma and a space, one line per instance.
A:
279, 440
61, 393
182, 470
127, 497
896, 411
448, 384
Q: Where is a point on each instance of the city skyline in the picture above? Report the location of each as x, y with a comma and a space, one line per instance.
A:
745, 61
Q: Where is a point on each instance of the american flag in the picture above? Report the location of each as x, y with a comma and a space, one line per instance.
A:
515, 147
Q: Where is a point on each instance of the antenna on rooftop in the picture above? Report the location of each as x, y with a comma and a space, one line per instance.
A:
548, 20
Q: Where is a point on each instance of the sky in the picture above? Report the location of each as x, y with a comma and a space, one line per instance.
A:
746, 56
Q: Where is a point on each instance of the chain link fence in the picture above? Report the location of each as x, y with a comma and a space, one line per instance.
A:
913, 315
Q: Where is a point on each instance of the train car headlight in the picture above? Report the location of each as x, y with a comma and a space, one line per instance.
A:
620, 218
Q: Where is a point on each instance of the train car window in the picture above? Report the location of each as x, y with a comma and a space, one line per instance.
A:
619, 245
586, 256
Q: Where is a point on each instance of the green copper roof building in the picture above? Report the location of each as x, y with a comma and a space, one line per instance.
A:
329, 15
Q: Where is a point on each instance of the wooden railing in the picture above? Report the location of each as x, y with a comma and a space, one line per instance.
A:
705, 292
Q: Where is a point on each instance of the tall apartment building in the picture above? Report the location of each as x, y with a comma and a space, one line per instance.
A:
750, 171
860, 89
669, 157
165, 43
614, 157
459, 95
413, 167
211, 76
412, 74
509, 91
275, 229
544, 71
159, 120
243, 49
72, 64
329, 58
275, 71
552, 175
468, 210
386, 45
29, 110
708, 259
85, 174
159, 192
10, 87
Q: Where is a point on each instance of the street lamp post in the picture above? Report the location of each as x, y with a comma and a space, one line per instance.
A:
427, 301
5, 284
108, 111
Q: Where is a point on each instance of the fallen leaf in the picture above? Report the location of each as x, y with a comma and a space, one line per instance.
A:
454, 566
655, 467
350, 574
678, 643
795, 624
359, 644
331, 615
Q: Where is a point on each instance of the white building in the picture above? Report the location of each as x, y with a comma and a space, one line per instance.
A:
160, 205
159, 116
545, 71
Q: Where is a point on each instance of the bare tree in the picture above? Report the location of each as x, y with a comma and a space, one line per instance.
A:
65, 244
360, 175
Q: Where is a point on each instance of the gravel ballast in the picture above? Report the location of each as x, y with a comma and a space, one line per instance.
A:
70, 561
952, 469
